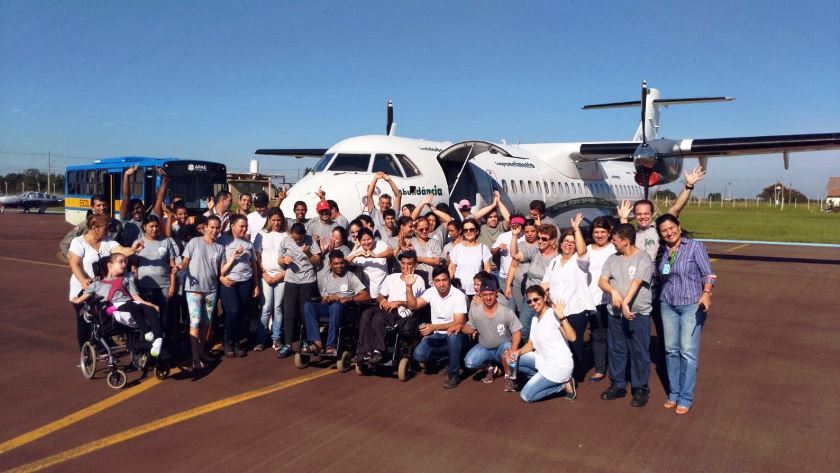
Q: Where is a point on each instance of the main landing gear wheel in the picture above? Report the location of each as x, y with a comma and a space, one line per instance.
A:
117, 379
404, 369
87, 360
343, 363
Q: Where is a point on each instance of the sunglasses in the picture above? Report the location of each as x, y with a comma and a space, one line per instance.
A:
422, 229
470, 229
534, 300
545, 239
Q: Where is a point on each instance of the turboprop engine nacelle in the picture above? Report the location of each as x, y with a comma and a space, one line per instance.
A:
655, 165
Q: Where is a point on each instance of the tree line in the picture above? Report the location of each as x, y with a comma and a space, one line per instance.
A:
31, 180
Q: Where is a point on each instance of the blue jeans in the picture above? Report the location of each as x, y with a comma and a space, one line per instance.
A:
478, 356
538, 386
312, 313
272, 309
235, 302
629, 343
681, 326
437, 346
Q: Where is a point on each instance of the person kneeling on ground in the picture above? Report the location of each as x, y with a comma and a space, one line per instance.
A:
338, 288
546, 358
125, 303
498, 331
392, 308
442, 338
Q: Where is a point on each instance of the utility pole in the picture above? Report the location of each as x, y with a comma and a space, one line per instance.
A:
49, 169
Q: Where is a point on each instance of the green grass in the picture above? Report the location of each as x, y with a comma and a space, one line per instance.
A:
762, 223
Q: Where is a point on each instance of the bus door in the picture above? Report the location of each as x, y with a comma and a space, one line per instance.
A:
111, 184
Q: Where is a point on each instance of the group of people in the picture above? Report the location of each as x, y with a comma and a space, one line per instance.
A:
508, 295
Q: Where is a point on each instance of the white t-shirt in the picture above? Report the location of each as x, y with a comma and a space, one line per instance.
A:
268, 244
506, 258
570, 283
256, 222
468, 261
374, 269
89, 255
442, 308
597, 258
553, 357
393, 289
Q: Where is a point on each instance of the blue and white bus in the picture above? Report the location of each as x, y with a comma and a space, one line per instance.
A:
194, 180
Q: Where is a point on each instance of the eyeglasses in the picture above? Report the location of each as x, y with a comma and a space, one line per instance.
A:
534, 300
545, 239
470, 229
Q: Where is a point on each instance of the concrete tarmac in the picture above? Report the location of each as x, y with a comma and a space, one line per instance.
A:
765, 397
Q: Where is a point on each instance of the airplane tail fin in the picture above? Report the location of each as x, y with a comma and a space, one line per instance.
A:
652, 110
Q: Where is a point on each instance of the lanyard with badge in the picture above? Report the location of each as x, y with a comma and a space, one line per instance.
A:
666, 269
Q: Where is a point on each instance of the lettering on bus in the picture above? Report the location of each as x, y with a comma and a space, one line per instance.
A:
84, 203
197, 167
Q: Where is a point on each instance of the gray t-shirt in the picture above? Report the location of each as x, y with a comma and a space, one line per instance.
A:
493, 331
123, 288
622, 270
522, 268
324, 267
153, 263
345, 286
323, 230
536, 264
300, 270
342, 221
430, 249
205, 263
242, 269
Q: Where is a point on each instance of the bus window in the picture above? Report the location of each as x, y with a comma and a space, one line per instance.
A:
385, 163
408, 166
350, 162
322, 164
135, 184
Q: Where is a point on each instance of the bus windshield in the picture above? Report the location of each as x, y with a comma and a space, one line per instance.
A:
195, 181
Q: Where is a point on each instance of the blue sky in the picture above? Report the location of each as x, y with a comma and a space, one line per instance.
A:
215, 80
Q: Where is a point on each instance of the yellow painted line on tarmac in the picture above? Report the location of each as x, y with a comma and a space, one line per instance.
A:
173, 419
18, 260
78, 416
737, 247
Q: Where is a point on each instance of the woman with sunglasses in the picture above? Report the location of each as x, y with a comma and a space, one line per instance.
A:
469, 257
427, 248
545, 359
567, 278
536, 258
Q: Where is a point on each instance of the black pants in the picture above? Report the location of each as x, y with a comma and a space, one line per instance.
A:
372, 326
598, 324
578, 322
235, 301
146, 317
82, 327
294, 297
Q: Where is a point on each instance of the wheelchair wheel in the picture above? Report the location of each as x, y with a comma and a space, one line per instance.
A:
117, 379
87, 360
301, 361
161, 370
404, 369
343, 363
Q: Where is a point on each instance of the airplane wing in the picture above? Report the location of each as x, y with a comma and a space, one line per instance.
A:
712, 147
296, 152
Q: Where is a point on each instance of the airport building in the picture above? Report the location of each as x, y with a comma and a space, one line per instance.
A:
832, 194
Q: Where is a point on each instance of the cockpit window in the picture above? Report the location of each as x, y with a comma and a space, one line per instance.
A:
408, 166
322, 164
350, 162
385, 163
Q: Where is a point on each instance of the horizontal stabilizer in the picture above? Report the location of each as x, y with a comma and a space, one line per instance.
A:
296, 152
663, 102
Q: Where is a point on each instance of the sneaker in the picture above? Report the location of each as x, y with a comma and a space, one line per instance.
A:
156, 346
490, 375
285, 351
276, 345
259, 347
374, 357
149, 336
571, 396
451, 381
613, 392
510, 385
640, 397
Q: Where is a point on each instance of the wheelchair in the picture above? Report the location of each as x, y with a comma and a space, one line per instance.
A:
346, 339
104, 329
401, 338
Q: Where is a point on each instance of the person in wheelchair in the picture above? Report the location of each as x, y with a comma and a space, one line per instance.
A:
119, 292
338, 288
442, 338
391, 309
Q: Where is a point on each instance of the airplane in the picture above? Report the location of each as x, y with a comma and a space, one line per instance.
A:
587, 177
30, 200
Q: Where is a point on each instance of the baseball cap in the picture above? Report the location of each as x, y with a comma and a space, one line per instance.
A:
464, 203
322, 205
260, 199
489, 285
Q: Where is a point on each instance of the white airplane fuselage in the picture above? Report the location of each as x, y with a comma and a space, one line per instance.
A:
521, 173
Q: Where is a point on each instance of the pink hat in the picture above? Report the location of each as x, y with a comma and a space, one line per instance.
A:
464, 203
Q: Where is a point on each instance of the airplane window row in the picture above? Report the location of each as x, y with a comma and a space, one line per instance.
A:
393, 165
575, 188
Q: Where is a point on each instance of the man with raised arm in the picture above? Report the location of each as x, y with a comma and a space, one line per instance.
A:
384, 200
647, 238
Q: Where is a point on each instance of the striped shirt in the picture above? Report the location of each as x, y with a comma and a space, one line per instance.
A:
690, 270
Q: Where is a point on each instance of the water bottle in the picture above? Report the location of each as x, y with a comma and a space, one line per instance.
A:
513, 363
